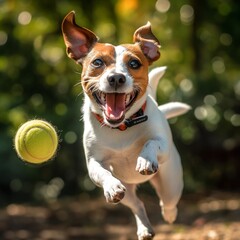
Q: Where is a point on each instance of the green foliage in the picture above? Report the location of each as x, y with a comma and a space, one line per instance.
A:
200, 47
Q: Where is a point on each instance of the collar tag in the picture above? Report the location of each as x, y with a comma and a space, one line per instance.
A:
135, 121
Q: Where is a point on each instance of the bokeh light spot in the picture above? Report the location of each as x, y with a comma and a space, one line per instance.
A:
70, 137
186, 14
24, 18
210, 100
3, 38
36, 99
163, 6
237, 88
61, 109
225, 39
229, 144
187, 86
235, 120
218, 65
200, 113
52, 54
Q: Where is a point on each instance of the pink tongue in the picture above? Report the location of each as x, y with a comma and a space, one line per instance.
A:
115, 105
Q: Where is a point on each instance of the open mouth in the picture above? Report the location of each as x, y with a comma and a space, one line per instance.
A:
115, 105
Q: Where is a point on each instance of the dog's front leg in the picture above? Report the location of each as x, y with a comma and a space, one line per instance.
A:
153, 152
114, 190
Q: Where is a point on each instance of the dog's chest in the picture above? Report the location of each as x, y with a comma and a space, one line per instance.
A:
118, 151
123, 167
121, 159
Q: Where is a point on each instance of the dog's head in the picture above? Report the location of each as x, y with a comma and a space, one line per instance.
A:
113, 77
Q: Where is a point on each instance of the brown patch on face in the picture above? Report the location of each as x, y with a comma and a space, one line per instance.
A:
140, 75
104, 57
101, 57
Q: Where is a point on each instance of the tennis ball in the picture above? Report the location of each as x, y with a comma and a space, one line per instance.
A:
36, 141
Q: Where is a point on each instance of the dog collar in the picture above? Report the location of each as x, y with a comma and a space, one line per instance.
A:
135, 119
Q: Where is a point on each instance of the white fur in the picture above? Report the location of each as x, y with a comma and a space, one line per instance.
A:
172, 109
119, 67
116, 158
154, 76
120, 64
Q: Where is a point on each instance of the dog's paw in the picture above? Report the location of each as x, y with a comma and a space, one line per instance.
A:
114, 191
146, 234
146, 167
169, 214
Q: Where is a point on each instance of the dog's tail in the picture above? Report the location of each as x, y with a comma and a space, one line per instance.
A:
172, 109
154, 76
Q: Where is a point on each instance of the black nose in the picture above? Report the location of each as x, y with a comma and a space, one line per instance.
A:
116, 79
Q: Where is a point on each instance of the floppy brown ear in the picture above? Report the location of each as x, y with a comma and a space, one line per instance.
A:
78, 40
148, 42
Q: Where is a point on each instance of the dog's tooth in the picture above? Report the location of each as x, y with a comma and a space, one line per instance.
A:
132, 95
127, 98
102, 97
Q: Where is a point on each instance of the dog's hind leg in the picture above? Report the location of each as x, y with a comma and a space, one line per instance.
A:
168, 184
144, 229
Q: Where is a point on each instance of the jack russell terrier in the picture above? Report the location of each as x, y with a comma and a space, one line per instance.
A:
127, 139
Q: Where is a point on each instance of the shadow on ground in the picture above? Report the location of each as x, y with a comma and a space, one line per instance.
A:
213, 217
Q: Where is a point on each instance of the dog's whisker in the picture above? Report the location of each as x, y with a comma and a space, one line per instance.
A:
77, 84
81, 93
81, 117
92, 80
77, 72
94, 89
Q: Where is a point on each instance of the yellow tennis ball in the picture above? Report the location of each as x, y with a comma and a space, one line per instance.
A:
36, 141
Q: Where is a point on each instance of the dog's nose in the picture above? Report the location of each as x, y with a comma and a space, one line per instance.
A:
116, 79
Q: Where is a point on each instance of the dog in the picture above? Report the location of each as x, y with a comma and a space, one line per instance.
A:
127, 139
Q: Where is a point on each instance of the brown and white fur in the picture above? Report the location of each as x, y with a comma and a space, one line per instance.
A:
116, 85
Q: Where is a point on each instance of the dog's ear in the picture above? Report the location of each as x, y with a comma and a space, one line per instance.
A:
148, 42
78, 40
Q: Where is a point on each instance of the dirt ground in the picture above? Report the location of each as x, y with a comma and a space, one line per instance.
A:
212, 217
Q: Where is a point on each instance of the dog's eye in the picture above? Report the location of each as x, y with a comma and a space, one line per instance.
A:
97, 63
134, 64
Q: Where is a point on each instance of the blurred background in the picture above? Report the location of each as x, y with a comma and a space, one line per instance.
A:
200, 44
